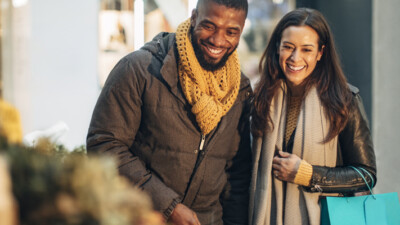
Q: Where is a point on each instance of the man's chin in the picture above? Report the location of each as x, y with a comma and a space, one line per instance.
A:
212, 66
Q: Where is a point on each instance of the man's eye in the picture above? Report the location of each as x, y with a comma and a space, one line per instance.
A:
232, 33
207, 27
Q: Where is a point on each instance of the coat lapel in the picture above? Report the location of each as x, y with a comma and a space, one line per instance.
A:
169, 71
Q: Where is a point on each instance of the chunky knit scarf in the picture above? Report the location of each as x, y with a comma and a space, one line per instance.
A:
211, 93
270, 202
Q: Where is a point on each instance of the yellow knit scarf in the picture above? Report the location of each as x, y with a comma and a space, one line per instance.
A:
211, 94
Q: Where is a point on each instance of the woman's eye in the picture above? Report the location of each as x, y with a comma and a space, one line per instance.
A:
287, 47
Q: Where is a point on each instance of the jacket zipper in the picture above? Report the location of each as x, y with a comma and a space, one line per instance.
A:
320, 188
201, 146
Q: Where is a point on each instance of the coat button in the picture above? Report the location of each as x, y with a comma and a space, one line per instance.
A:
195, 151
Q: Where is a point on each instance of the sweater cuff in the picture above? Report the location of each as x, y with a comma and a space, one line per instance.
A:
304, 174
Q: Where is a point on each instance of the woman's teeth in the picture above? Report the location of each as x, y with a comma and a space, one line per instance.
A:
296, 68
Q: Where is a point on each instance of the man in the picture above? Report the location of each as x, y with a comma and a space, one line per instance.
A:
175, 113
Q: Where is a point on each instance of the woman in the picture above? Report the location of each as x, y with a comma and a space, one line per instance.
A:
309, 125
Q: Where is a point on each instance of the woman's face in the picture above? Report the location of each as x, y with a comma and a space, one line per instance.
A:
298, 53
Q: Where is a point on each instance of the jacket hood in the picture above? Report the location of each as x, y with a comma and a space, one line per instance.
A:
160, 45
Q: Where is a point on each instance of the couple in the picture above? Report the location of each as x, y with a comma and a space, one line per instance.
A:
176, 115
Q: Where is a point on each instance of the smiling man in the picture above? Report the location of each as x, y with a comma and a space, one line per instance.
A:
175, 114
215, 31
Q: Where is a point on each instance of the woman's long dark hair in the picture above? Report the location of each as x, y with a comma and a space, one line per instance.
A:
327, 76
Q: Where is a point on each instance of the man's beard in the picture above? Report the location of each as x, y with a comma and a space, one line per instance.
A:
203, 62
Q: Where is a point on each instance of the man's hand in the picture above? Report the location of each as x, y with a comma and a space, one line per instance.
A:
285, 166
182, 215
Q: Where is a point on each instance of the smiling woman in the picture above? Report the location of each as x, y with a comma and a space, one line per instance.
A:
309, 125
299, 53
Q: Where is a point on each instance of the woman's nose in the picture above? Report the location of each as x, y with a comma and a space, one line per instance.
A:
295, 55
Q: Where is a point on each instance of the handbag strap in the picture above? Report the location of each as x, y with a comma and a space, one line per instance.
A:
362, 176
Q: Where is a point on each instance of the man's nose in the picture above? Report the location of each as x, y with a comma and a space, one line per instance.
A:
218, 38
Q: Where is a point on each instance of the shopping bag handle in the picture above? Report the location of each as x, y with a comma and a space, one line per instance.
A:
362, 176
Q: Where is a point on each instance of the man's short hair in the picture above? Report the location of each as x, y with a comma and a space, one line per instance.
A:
235, 4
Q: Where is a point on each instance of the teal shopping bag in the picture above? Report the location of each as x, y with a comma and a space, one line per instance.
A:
377, 209
373, 209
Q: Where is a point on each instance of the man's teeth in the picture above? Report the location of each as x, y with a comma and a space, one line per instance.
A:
295, 68
214, 51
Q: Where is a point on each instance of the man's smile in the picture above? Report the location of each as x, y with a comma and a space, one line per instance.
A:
213, 52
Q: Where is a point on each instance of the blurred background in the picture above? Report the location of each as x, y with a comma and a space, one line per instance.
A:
56, 55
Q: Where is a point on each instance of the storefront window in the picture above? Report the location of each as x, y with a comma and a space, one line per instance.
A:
116, 34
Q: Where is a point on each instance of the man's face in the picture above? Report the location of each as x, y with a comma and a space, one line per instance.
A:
216, 31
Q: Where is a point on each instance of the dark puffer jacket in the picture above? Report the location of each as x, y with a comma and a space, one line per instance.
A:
143, 118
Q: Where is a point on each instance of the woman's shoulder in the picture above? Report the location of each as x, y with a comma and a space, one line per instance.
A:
357, 111
354, 90
355, 101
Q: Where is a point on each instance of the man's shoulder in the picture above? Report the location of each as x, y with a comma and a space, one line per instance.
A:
147, 62
158, 48
160, 45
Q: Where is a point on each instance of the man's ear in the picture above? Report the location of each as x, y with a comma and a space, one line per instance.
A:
193, 18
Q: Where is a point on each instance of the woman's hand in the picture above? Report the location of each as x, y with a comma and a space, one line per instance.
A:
285, 166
